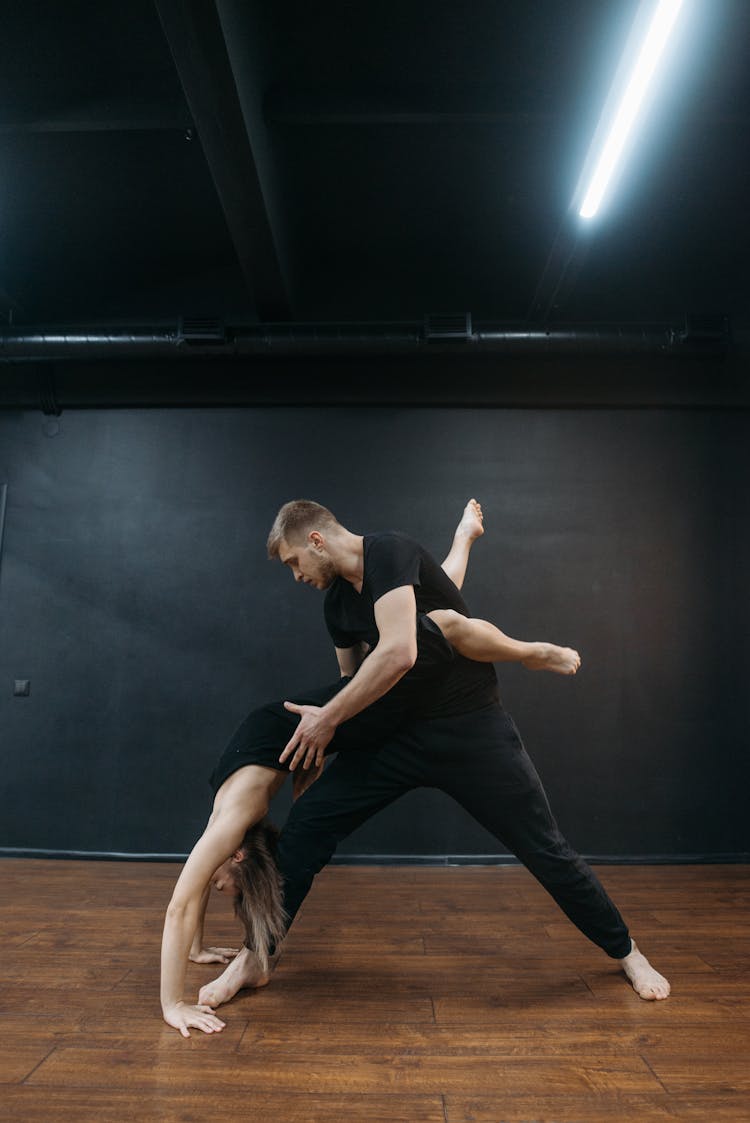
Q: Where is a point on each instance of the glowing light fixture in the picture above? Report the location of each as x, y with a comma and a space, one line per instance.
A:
653, 46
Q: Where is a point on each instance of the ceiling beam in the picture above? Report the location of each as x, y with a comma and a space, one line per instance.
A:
288, 105
196, 39
112, 116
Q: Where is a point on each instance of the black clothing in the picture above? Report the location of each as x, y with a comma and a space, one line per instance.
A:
266, 730
392, 560
464, 743
478, 759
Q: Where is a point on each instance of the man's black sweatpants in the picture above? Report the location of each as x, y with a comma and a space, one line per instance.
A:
478, 758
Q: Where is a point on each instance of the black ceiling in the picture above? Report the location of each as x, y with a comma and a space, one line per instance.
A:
345, 161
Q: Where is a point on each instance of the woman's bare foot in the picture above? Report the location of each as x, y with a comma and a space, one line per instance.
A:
550, 657
471, 525
244, 971
647, 983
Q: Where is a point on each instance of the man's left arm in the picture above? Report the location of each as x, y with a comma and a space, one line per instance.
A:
394, 655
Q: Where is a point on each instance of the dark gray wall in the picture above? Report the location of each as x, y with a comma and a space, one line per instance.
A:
136, 596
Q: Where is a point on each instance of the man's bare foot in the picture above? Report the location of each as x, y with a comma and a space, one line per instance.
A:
550, 657
471, 525
647, 983
244, 971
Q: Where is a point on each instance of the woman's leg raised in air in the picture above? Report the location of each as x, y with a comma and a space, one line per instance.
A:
483, 642
468, 530
480, 640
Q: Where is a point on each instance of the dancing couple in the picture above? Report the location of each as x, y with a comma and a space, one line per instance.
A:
416, 706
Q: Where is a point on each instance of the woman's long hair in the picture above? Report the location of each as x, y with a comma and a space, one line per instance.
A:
259, 903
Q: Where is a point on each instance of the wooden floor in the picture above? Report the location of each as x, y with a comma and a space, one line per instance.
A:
405, 995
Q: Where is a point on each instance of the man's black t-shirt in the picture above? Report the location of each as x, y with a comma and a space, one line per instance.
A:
392, 560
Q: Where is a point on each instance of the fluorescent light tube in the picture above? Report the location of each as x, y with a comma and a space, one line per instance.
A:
661, 25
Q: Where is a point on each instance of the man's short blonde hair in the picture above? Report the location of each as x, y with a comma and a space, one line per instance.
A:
294, 522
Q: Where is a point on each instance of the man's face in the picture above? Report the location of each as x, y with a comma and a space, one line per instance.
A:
309, 564
224, 880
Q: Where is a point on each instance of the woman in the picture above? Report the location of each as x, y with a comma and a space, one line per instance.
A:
249, 774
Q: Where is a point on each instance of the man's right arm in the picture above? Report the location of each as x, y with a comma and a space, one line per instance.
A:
394, 654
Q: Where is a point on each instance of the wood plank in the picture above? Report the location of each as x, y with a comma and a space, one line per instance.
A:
406, 976
517, 946
22, 998
18, 1060
111, 1030
15, 933
49, 976
343, 936
78, 1067
733, 923
707, 1071
409, 971
598, 1109
271, 1004
623, 1005
113, 1105
709, 986
538, 1040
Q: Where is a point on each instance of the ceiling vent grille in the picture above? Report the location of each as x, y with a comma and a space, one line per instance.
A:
447, 329
201, 330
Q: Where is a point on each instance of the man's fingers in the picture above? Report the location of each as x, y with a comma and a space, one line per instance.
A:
298, 748
293, 741
306, 755
289, 748
299, 757
184, 1031
292, 750
295, 757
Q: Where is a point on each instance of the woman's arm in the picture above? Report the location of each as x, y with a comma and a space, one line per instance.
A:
350, 659
220, 839
201, 954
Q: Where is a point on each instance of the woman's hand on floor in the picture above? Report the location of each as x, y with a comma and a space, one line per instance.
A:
181, 1016
213, 955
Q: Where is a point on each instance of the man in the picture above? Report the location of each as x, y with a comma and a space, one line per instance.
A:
379, 588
